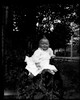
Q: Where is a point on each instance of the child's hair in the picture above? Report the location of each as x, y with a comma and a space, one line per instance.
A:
44, 39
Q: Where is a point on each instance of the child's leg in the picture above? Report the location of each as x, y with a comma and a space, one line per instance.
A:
51, 68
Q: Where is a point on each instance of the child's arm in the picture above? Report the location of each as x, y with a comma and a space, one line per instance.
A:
36, 56
51, 53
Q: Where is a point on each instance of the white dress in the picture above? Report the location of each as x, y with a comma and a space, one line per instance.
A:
42, 58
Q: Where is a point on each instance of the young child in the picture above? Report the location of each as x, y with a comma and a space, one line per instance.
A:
40, 60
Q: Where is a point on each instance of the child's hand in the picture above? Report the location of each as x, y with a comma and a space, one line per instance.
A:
53, 56
37, 64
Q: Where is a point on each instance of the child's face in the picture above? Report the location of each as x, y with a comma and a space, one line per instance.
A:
44, 44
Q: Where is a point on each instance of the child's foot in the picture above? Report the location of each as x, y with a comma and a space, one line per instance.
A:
31, 75
52, 72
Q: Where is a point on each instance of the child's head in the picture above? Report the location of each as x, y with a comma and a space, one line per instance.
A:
44, 43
